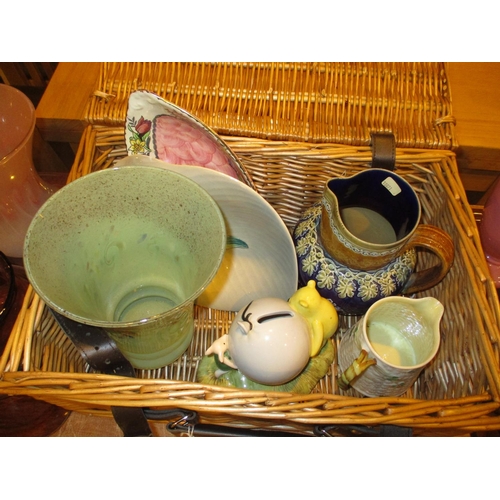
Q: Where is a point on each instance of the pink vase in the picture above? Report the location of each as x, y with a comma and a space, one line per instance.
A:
22, 191
489, 231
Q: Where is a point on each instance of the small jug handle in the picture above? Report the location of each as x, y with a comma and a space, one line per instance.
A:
439, 243
355, 369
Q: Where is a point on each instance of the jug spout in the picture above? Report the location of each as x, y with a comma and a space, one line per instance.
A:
430, 309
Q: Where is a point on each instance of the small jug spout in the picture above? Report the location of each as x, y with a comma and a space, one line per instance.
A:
431, 310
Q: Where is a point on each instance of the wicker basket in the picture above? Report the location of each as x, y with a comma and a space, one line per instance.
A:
458, 393
338, 103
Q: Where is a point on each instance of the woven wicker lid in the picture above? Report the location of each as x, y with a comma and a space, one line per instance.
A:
339, 103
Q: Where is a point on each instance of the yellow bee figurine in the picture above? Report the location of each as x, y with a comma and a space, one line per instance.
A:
319, 312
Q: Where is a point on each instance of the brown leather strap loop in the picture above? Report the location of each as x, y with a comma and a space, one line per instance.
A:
384, 150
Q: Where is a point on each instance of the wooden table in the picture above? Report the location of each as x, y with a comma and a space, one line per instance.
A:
475, 90
60, 115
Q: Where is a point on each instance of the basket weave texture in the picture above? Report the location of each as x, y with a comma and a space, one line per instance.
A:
311, 102
459, 392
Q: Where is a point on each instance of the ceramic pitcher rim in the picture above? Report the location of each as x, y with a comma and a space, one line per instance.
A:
436, 333
123, 324
377, 246
29, 132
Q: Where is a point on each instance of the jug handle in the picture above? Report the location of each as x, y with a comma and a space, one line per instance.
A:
439, 243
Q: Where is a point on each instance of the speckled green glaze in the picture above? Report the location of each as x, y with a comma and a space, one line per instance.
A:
128, 249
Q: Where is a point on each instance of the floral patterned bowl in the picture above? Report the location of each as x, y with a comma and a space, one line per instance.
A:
351, 291
160, 129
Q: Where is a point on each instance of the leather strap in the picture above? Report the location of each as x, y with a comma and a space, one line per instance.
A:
209, 430
131, 421
384, 150
362, 431
102, 354
395, 431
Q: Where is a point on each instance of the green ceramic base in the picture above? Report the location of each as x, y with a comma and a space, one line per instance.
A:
304, 383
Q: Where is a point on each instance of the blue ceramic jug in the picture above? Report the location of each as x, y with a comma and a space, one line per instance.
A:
359, 243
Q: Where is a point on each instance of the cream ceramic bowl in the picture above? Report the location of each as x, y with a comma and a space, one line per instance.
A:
259, 260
